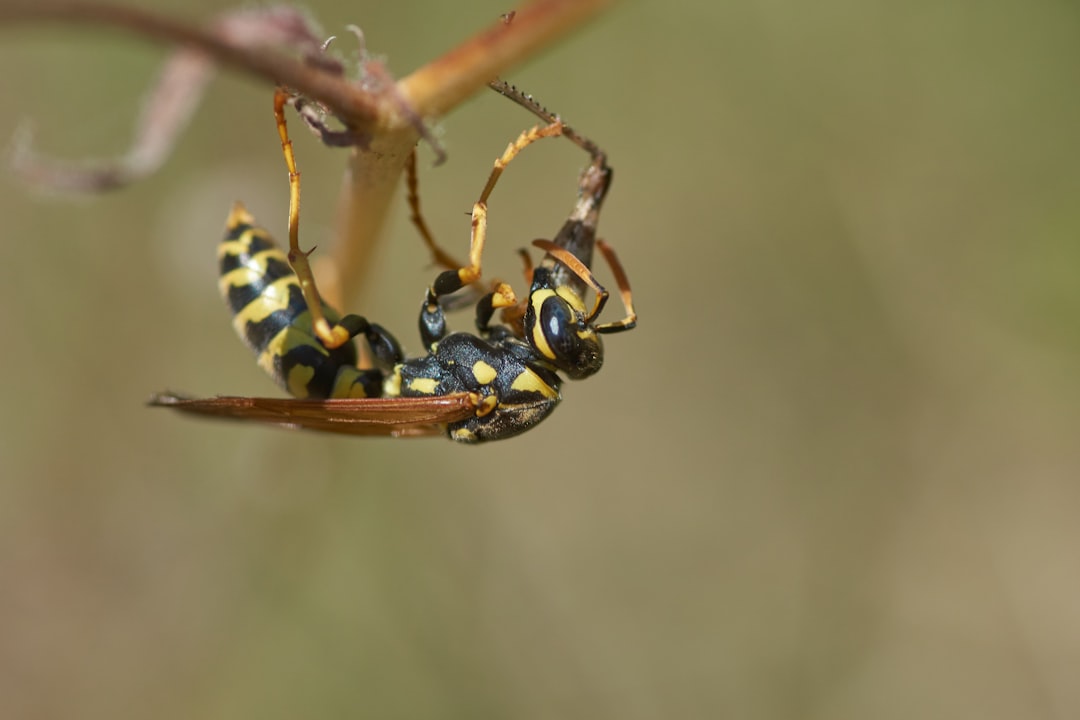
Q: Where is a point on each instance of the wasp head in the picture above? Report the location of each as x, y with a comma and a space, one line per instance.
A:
559, 327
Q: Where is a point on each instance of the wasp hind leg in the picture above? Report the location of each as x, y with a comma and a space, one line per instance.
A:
332, 336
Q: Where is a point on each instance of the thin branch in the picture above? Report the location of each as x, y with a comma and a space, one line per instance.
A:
447, 81
387, 119
432, 90
350, 103
368, 188
165, 114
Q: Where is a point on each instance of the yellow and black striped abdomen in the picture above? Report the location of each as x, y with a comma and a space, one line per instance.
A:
271, 317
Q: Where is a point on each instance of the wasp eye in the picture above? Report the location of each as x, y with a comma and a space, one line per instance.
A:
556, 318
574, 345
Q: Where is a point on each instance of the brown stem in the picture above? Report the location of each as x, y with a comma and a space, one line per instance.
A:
430, 91
444, 83
359, 109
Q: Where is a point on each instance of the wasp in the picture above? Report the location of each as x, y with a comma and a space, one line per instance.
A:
491, 385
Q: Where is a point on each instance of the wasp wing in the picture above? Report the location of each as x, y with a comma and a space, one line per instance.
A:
387, 417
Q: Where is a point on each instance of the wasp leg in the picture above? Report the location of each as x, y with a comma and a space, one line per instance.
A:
501, 297
384, 346
433, 317
630, 321
439, 256
513, 316
432, 321
330, 336
451, 281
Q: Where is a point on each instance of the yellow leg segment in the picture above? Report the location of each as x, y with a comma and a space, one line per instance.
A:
331, 336
468, 274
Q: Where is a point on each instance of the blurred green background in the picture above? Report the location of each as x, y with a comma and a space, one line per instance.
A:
834, 473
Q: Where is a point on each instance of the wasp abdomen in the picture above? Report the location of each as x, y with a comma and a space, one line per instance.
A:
271, 317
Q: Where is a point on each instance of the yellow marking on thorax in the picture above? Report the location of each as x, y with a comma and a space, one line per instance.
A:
392, 384
529, 381
424, 386
483, 372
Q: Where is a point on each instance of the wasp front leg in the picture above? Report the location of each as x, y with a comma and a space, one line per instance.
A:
501, 297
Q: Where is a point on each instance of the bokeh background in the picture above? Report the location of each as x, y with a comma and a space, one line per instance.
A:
835, 473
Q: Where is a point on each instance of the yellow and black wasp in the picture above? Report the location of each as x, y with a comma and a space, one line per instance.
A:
473, 388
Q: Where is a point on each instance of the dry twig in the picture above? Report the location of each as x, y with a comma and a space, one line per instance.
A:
386, 120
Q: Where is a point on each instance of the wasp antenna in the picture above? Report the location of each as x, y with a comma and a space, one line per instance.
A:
577, 267
530, 103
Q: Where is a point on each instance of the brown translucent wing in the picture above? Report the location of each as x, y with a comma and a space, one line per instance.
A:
387, 417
